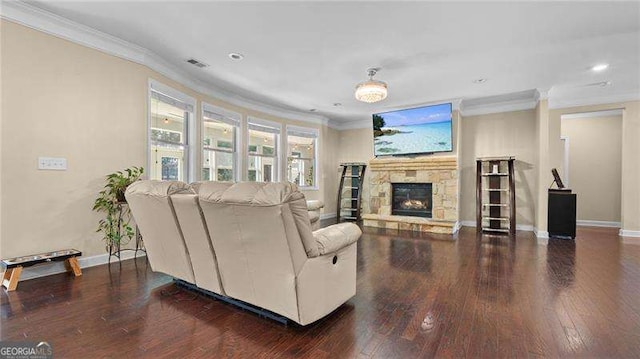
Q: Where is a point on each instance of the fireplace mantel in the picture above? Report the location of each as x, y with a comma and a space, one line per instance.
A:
440, 171
417, 163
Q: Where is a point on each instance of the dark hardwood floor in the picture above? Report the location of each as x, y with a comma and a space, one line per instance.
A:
417, 296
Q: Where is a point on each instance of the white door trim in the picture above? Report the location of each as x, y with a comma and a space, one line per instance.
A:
565, 161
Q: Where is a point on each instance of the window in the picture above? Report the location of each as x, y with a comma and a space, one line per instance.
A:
220, 135
170, 114
263, 150
301, 156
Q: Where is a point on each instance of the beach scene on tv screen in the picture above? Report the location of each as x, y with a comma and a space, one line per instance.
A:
416, 130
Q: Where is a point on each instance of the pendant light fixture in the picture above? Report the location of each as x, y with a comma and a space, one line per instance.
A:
372, 90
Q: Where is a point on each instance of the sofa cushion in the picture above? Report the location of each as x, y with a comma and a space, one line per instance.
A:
263, 194
158, 188
252, 193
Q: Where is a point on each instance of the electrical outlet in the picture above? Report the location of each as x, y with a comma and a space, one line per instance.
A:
52, 163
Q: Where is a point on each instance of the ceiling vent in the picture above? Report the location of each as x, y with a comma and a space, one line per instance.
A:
197, 63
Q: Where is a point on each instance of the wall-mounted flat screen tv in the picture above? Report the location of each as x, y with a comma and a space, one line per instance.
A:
413, 131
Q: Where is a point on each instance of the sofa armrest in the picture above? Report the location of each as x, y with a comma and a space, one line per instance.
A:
314, 205
333, 238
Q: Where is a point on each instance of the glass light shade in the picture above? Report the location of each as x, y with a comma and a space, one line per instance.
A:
371, 91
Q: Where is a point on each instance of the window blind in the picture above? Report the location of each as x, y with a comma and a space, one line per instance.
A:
171, 101
221, 118
302, 133
263, 128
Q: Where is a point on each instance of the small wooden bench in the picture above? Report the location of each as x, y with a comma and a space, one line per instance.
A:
13, 266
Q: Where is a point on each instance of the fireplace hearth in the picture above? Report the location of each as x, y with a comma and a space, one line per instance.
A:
411, 199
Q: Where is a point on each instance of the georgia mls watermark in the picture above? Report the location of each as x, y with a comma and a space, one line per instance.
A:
25, 350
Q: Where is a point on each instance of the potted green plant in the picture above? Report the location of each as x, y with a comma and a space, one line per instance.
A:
116, 227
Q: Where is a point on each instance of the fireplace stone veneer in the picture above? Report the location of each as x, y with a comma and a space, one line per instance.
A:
440, 171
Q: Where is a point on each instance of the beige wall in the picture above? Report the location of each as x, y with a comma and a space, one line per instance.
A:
356, 145
630, 198
61, 99
595, 165
500, 134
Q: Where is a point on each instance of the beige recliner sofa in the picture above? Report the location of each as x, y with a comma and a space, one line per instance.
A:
248, 241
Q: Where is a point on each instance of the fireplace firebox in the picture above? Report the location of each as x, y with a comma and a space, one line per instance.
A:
411, 199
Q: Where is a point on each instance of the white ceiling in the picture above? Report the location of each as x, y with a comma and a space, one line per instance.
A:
303, 55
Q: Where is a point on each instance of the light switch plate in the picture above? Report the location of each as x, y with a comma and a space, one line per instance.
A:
52, 163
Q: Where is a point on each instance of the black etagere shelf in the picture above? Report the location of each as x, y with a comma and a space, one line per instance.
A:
495, 195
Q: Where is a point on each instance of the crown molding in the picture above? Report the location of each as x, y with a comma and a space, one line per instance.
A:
499, 108
525, 100
455, 105
541, 94
336, 125
35, 18
353, 125
558, 103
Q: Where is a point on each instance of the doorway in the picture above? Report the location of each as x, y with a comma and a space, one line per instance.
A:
592, 165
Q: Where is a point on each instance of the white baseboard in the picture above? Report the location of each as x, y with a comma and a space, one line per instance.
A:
327, 215
628, 233
519, 227
590, 223
44, 270
467, 223
541, 234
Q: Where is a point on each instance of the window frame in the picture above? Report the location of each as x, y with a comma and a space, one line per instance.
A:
189, 128
275, 128
309, 132
231, 118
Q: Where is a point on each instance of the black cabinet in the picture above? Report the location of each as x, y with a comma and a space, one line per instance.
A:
562, 213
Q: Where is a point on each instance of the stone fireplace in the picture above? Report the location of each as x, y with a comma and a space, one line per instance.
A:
411, 199
427, 188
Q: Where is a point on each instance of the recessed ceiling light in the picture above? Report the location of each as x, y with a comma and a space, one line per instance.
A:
337, 104
599, 67
236, 56
479, 81
313, 110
